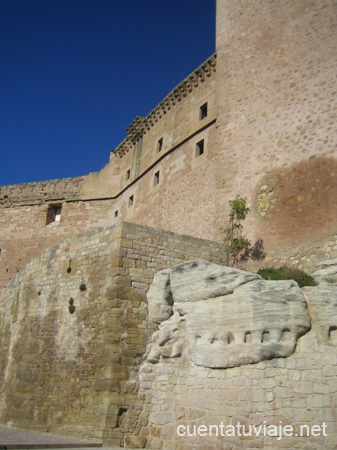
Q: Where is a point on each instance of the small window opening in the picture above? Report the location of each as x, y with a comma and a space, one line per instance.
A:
160, 145
156, 178
203, 111
53, 213
130, 200
116, 213
128, 174
200, 148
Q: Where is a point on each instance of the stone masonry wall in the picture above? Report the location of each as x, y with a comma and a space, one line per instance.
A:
34, 193
298, 390
269, 135
76, 374
271, 115
25, 231
276, 108
103, 198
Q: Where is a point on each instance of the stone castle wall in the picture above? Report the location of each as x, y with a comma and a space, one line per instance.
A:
77, 374
103, 198
28, 194
92, 374
276, 108
269, 135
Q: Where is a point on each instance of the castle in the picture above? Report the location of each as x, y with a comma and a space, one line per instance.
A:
256, 119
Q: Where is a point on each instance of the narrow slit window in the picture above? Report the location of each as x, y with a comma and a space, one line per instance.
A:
130, 200
160, 145
116, 213
203, 111
128, 174
156, 178
200, 148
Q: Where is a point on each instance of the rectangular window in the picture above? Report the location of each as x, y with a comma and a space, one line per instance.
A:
203, 111
130, 200
128, 174
156, 179
116, 213
160, 145
200, 148
53, 214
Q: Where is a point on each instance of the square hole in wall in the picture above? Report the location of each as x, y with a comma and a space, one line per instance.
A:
128, 174
53, 213
156, 178
160, 145
203, 111
200, 148
130, 200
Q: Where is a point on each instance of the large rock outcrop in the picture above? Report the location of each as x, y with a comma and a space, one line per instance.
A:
223, 317
327, 271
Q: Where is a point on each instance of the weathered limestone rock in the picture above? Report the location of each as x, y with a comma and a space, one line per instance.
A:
323, 310
225, 317
160, 297
328, 270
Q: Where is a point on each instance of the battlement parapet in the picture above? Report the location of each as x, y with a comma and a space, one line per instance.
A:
141, 125
40, 192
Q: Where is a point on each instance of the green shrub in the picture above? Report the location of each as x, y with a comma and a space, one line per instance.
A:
72, 307
238, 248
287, 273
83, 287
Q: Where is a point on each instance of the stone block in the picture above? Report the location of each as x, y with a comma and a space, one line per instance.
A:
135, 441
107, 385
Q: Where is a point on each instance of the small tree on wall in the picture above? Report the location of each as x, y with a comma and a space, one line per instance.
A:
238, 248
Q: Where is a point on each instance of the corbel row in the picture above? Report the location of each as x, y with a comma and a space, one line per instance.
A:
141, 125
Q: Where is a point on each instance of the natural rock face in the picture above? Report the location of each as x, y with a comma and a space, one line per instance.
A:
224, 317
327, 271
160, 298
323, 310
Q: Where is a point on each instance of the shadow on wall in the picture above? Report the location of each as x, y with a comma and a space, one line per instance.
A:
297, 202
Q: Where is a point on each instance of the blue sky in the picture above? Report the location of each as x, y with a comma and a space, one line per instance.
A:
75, 73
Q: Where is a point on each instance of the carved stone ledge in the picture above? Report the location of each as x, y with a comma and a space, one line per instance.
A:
220, 317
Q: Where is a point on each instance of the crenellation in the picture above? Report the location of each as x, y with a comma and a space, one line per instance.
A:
29, 194
141, 125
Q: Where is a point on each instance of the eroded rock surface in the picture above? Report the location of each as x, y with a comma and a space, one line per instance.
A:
224, 317
327, 271
323, 310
